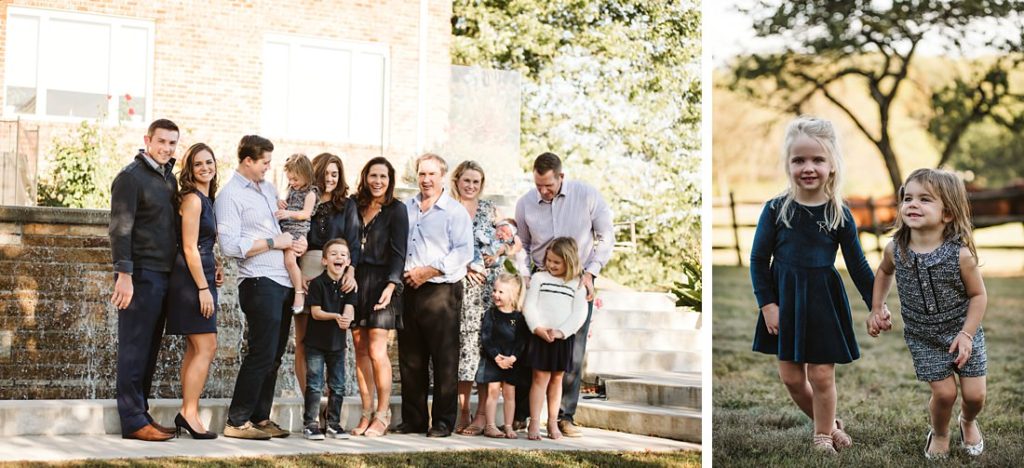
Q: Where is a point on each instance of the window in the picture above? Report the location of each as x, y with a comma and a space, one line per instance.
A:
316, 89
75, 65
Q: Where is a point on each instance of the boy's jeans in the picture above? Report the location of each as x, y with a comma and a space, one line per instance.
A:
335, 364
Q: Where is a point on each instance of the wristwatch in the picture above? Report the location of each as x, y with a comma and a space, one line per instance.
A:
270, 243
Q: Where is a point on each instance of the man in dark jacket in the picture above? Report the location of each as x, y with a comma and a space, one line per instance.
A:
143, 241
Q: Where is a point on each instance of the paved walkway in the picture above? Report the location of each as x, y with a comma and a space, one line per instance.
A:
109, 446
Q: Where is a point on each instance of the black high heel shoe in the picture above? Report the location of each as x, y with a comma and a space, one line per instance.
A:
180, 422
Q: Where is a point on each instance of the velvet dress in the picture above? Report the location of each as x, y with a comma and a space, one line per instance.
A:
794, 267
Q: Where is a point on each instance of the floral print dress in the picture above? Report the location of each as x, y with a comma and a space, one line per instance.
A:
476, 297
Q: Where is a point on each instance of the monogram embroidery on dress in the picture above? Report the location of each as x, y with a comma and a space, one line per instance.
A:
823, 227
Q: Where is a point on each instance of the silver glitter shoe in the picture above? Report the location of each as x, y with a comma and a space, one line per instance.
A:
972, 450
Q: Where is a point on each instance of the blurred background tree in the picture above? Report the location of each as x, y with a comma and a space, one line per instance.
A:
613, 87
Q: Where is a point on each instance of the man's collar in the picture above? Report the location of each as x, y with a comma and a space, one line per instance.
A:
442, 202
162, 168
562, 191
246, 182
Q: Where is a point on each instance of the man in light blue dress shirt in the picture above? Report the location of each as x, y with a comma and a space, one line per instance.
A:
440, 248
249, 233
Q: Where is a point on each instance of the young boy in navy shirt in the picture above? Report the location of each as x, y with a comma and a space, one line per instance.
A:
332, 312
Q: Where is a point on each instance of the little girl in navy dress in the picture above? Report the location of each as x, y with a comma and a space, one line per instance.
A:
555, 309
503, 335
805, 317
942, 301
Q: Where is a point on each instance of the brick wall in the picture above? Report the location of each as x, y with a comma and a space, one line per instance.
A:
58, 330
207, 67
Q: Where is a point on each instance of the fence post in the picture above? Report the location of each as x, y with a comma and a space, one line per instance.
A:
735, 229
875, 228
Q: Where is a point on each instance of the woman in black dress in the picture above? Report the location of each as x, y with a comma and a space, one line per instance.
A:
335, 217
192, 298
384, 229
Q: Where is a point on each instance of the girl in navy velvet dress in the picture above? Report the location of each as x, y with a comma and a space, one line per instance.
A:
805, 315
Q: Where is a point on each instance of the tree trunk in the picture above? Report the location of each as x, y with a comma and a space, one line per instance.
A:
891, 165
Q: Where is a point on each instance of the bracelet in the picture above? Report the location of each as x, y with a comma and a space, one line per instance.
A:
204, 289
968, 335
270, 243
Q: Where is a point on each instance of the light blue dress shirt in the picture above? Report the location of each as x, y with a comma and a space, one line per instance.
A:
245, 214
441, 237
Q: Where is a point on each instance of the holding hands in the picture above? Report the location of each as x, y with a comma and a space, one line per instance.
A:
879, 320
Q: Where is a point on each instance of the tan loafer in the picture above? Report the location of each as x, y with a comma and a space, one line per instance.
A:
569, 429
245, 431
271, 427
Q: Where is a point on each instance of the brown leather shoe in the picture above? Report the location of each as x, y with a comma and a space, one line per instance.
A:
164, 429
271, 427
149, 434
569, 429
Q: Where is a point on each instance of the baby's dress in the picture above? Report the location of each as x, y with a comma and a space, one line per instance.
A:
815, 322
933, 303
296, 199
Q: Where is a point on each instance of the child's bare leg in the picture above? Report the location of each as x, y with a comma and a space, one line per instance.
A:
822, 378
493, 391
538, 390
554, 401
940, 408
300, 351
291, 264
794, 376
974, 390
508, 392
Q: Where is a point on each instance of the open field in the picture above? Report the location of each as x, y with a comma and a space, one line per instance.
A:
883, 405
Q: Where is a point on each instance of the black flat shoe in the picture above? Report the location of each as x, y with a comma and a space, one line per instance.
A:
406, 429
180, 422
439, 431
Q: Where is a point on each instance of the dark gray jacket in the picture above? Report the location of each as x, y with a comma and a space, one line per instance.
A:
143, 227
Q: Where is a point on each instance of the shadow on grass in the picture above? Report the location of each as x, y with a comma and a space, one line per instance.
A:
883, 405
453, 459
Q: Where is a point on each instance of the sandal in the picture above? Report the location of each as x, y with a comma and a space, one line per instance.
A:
509, 432
367, 416
823, 443
533, 433
928, 443
472, 430
972, 450
553, 432
492, 431
372, 431
297, 309
840, 439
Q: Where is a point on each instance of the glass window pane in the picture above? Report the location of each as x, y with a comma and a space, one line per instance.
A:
76, 56
22, 51
131, 50
275, 88
20, 100
75, 104
320, 93
367, 98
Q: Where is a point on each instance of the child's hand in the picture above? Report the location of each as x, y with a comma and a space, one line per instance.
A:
963, 345
557, 334
281, 204
282, 214
771, 318
343, 321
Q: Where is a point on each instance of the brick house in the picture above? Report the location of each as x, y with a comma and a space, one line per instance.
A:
356, 78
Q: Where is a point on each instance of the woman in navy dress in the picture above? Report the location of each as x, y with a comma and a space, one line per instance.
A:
192, 300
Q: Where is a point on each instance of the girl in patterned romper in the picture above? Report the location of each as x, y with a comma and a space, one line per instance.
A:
294, 216
942, 300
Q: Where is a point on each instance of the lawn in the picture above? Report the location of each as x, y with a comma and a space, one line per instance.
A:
451, 459
884, 406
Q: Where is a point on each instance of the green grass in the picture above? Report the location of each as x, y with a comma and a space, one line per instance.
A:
885, 408
450, 459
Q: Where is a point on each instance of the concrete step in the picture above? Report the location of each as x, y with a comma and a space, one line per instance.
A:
94, 417
606, 318
632, 339
609, 362
668, 422
677, 389
636, 300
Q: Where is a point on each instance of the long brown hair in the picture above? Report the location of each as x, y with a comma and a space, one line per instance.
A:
340, 192
187, 180
363, 196
299, 166
948, 188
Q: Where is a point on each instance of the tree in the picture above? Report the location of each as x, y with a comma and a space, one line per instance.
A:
829, 44
613, 87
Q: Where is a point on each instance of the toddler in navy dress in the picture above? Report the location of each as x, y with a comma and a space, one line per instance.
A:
805, 317
555, 309
503, 336
942, 301
294, 215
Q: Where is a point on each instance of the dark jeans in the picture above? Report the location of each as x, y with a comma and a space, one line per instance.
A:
140, 328
315, 360
570, 380
268, 318
431, 333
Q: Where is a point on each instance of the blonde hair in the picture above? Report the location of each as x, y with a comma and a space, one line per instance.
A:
467, 165
951, 191
299, 166
821, 131
432, 156
514, 280
565, 248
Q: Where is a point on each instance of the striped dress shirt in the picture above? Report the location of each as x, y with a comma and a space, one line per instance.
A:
245, 214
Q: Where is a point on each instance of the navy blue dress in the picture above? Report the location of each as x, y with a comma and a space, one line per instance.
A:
183, 316
795, 269
505, 334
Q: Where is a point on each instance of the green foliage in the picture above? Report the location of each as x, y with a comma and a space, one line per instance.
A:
993, 154
82, 171
873, 47
688, 291
613, 87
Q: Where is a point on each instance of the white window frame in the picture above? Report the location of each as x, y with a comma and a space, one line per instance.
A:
44, 16
354, 47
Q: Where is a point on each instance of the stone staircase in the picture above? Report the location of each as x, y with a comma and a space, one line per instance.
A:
646, 354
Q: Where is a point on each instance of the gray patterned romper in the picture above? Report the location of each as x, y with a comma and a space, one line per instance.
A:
933, 302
